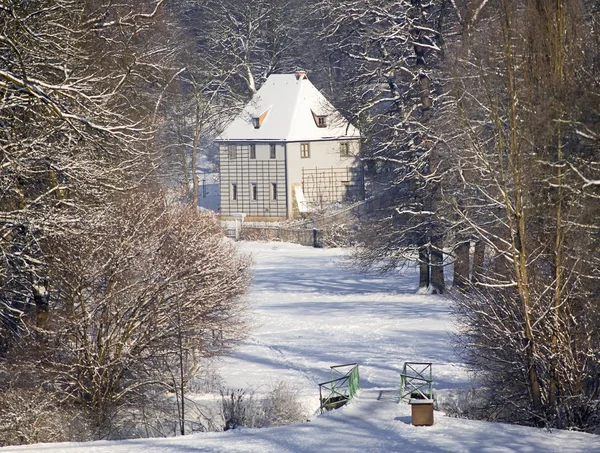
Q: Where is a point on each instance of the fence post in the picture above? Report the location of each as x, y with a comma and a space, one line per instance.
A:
239, 224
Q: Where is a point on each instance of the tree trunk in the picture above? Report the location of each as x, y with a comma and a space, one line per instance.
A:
180, 352
423, 268
195, 145
195, 191
501, 267
437, 266
478, 256
461, 266
516, 211
41, 298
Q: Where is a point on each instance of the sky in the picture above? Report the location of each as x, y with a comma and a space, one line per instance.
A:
309, 311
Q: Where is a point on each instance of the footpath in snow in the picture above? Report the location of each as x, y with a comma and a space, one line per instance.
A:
308, 313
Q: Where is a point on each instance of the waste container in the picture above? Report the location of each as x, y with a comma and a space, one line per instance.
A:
421, 412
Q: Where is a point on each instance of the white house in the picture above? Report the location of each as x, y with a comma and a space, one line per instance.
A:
287, 152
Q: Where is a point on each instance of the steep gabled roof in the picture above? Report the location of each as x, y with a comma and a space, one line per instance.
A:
286, 108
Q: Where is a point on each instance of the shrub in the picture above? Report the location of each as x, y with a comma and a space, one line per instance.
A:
280, 406
31, 416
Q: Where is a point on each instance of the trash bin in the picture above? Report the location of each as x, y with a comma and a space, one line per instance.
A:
421, 412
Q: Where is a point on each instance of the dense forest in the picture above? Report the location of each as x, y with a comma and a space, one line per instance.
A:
481, 140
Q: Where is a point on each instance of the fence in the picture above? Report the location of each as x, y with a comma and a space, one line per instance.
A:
303, 236
338, 391
319, 231
416, 377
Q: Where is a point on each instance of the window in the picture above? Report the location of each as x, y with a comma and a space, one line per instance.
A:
344, 149
253, 191
273, 153
252, 151
232, 151
320, 120
273, 191
257, 121
234, 193
304, 151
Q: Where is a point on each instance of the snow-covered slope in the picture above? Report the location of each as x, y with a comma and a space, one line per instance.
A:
310, 313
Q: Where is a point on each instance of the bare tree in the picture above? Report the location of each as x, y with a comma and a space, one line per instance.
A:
151, 288
387, 54
84, 87
532, 321
244, 41
80, 82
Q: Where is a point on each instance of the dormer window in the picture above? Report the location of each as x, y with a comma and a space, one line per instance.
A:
257, 121
320, 120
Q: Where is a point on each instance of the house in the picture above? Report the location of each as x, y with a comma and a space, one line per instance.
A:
288, 151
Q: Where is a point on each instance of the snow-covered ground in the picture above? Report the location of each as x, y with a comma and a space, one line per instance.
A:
310, 313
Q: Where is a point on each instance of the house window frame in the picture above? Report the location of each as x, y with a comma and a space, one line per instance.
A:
322, 121
232, 151
272, 151
234, 191
345, 149
304, 150
252, 151
253, 191
273, 191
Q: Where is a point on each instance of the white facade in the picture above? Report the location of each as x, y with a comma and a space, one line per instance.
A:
289, 151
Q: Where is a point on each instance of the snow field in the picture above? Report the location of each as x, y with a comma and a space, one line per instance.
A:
309, 312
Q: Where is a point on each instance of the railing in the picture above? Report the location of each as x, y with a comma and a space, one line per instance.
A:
416, 381
339, 390
229, 232
302, 236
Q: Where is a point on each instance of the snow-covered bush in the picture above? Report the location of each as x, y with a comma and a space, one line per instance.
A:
240, 409
335, 235
141, 295
469, 403
152, 289
280, 406
31, 415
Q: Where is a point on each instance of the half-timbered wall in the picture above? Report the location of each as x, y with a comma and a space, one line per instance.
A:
322, 186
253, 181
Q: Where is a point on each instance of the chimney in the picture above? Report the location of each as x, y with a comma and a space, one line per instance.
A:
300, 75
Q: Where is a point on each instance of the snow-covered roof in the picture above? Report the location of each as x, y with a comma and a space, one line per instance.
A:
287, 108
